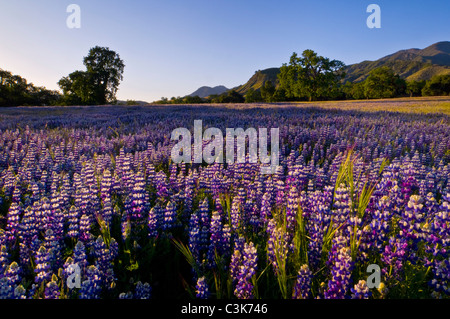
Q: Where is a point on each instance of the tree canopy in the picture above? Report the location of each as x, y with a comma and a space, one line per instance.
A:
99, 83
310, 76
15, 91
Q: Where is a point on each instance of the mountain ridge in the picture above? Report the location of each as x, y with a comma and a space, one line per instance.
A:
411, 64
206, 91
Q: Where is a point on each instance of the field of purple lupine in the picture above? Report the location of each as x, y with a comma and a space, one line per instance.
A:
91, 206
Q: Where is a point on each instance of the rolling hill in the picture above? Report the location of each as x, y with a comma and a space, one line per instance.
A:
205, 91
410, 64
258, 79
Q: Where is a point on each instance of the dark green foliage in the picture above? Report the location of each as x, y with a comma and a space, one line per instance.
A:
15, 91
268, 91
414, 88
310, 76
253, 96
230, 97
383, 83
99, 83
438, 85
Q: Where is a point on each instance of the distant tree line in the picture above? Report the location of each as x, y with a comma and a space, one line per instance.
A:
308, 77
311, 77
97, 85
15, 91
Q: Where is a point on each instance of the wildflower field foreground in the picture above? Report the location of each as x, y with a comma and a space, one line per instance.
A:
91, 206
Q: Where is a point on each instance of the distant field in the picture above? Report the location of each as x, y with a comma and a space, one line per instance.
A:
403, 105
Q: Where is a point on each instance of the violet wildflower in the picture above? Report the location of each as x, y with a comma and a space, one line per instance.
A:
12, 225
360, 290
202, 289
247, 269
291, 208
52, 290
341, 271
170, 216
143, 290
154, 220
13, 274
42, 268
91, 287
302, 287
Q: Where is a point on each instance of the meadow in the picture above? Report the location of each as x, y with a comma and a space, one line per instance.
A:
92, 192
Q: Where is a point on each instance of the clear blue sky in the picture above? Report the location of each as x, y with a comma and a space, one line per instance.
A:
171, 47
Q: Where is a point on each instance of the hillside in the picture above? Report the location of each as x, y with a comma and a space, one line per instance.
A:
258, 79
411, 64
205, 91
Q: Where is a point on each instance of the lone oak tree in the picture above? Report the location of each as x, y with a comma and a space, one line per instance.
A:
99, 83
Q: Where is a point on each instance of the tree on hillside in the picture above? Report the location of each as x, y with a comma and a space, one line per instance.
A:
99, 83
383, 83
230, 97
253, 96
414, 88
437, 85
267, 91
310, 76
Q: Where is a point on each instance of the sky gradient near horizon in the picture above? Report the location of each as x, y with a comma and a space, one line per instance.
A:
172, 47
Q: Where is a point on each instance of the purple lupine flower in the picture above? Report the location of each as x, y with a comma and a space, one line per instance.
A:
412, 217
236, 215
360, 290
107, 210
28, 226
138, 204
341, 271
73, 222
380, 226
19, 292
441, 278
247, 269
14, 274
4, 259
277, 244
79, 255
302, 287
341, 204
52, 290
104, 259
394, 256
106, 184
13, 220
266, 209
242, 268
42, 269
53, 247
85, 227
194, 236
6, 290
170, 216
162, 187
143, 290
154, 218
202, 290
91, 288
291, 209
